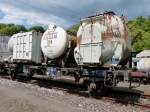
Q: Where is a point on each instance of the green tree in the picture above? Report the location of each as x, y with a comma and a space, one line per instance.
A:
37, 29
12, 29
73, 29
2, 25
140, 33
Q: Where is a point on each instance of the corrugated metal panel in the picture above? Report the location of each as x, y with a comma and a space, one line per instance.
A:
90, 47
4, 43
4, 52
27, 47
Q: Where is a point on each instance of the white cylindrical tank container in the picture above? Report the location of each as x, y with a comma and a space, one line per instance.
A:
11, 43
54, 42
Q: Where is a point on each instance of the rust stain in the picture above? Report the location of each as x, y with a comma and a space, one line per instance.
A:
107, 35
79, 39
112, 31
125, 29
72, 38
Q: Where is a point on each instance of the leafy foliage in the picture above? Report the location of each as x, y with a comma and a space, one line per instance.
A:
10, 29
73, 30
140, 33
37, 29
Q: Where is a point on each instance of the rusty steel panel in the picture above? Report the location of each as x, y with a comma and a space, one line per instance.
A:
137, 74
106, 36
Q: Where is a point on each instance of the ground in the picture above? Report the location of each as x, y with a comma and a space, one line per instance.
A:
20, 100
21, 97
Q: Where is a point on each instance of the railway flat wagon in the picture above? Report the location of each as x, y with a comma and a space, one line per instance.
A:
97, 54
43, 54
103, 48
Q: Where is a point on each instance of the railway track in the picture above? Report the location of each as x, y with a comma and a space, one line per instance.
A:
120, 100
125, 97
73, 88
67, 86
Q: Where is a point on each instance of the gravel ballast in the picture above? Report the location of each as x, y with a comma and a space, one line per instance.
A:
22, 97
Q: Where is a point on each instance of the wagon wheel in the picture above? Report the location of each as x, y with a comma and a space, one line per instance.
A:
89, 86
95, 88
77, 77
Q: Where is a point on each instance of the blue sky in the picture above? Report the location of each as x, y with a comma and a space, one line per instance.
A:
66, 12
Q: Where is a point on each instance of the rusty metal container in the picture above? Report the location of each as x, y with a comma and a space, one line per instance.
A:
102, 40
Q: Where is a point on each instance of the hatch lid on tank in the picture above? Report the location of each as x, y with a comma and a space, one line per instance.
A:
99, 16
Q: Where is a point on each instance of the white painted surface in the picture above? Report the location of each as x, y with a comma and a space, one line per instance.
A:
92, 48
27, 47
142, 61
143, 64
54, 42
144, 53
11, 43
